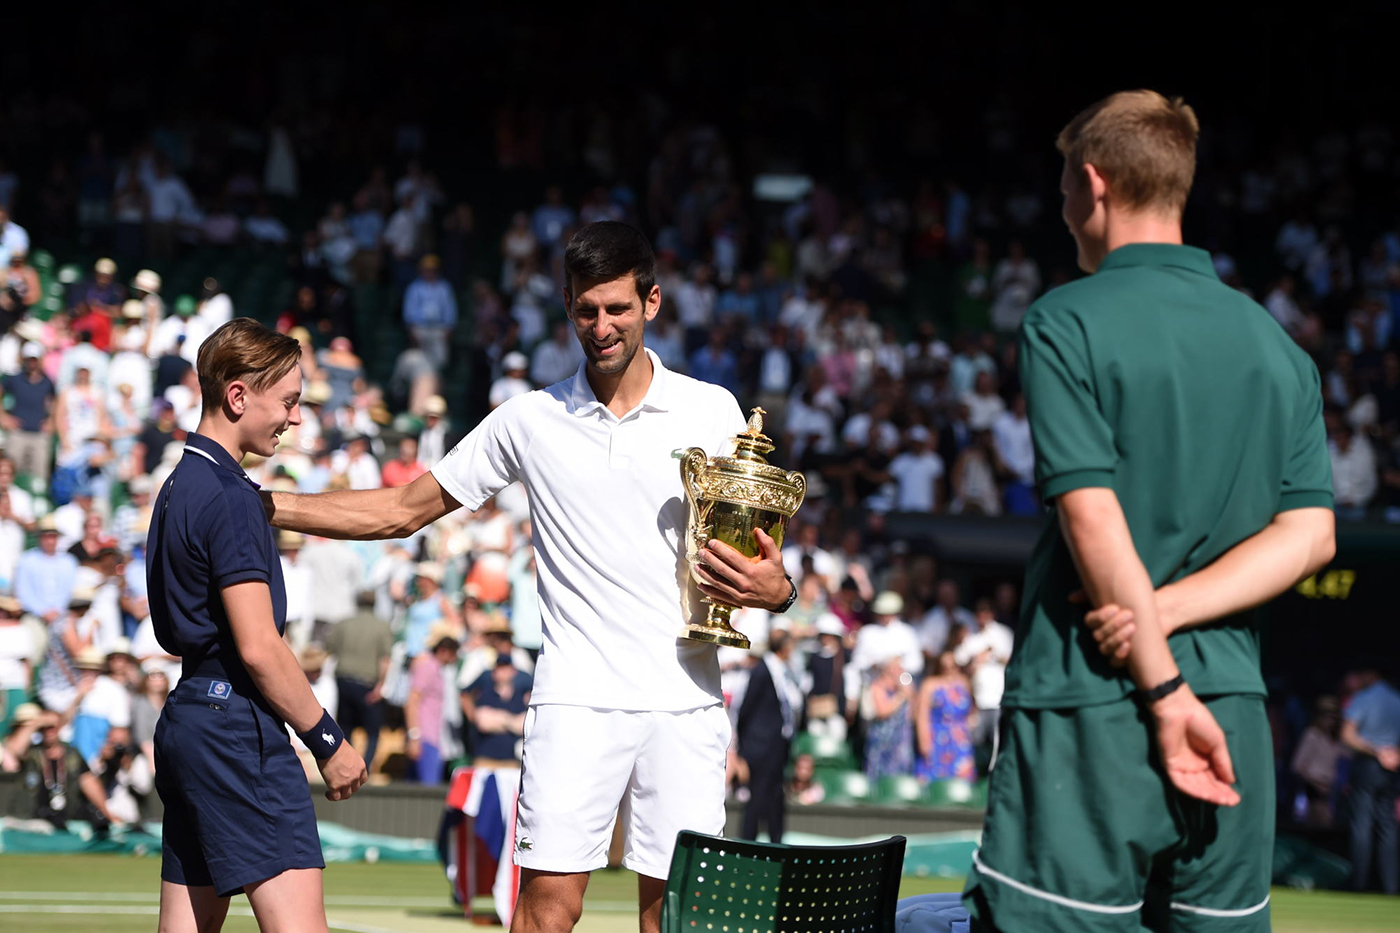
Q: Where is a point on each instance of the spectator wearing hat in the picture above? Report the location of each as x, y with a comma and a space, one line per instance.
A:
827, 706
428, 606
887, 636
102, 572
319, 669
495, 638
72, 633
104, 704
44, 576
361, 646
513, 381
145, 287
423, 714
494, 706
17, 649
63, 785
29, 396
432, 443
102, 293
20, 735
430, 311
406, 467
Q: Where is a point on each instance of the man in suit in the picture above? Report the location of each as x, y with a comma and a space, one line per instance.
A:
767, 720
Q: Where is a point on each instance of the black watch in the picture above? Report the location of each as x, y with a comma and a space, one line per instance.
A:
1165, 688
792, 597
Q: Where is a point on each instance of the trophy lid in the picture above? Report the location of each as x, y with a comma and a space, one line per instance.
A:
752, 444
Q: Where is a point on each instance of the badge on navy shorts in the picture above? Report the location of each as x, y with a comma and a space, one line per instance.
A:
220, 690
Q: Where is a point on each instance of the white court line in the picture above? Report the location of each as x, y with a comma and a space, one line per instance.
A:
152, 911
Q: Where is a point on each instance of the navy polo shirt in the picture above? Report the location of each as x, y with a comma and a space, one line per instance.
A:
208, 531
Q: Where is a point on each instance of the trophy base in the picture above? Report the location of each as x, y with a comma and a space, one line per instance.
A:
716, 635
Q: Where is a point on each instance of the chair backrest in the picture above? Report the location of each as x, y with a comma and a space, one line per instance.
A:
726, 886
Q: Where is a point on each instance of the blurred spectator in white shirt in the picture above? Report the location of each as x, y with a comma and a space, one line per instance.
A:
1354, 478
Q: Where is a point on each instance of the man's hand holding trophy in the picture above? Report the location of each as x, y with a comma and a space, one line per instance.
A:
739, 509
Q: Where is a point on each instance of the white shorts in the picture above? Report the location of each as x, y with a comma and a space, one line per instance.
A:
582, 767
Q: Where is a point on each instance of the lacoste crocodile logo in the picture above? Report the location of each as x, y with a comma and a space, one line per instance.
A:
524, 844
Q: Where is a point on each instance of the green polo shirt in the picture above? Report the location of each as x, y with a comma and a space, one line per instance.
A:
1154, 379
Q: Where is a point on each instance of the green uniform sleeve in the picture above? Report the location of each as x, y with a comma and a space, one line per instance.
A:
1307, 476
1074, 445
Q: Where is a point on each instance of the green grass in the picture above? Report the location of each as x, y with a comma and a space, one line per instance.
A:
118, 894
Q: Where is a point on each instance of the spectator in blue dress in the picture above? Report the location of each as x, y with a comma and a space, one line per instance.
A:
941, 723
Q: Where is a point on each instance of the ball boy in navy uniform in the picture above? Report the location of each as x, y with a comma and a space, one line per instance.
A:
238, 814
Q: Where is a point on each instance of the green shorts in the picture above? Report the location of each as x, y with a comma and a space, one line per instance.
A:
1084, 833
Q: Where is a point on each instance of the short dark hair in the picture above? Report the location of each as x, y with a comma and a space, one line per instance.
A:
610, 249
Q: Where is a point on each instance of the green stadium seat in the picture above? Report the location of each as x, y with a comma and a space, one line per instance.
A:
42, 260
956, 792
899, 789
826, 750
843, 785
717, 884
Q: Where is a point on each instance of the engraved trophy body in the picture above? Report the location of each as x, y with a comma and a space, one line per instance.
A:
729, 497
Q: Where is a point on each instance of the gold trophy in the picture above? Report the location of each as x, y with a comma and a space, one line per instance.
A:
730, 497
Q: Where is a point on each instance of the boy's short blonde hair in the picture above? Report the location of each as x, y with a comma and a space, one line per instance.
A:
1143, 145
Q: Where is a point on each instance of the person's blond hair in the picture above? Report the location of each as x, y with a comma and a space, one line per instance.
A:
1143, 145
243, 349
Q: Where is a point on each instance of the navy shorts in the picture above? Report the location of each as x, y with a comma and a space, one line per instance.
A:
237, 805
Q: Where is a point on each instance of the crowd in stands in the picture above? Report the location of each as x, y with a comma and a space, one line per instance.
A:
874, 323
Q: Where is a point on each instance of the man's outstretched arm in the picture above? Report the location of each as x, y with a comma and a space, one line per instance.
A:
1293, 546
361, 514
1192, 744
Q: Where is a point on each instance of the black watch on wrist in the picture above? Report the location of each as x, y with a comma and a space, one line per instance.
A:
792, 597
1165, 688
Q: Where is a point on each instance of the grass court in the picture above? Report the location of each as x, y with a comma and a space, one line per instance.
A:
117, 894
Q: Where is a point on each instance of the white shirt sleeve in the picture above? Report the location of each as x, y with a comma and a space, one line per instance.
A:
487, 460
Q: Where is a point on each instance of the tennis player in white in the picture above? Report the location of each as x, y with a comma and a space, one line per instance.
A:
626, 720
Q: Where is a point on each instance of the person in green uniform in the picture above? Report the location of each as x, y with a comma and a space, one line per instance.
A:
1179, 440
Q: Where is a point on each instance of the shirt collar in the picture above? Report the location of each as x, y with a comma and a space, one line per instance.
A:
1160, 254
214, 451
582, 401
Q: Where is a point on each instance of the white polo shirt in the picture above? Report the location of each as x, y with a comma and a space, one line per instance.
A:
609, 516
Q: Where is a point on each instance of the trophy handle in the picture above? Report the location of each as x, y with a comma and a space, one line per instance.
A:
693, 466
799, 483
693, 463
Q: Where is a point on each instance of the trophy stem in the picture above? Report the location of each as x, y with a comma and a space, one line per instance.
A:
716, 629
